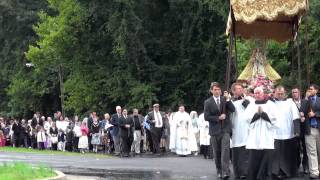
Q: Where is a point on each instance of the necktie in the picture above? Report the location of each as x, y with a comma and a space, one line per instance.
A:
313, 100
218, 103
313, 121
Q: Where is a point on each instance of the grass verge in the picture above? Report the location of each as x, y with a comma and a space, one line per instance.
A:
23, 171
50, 152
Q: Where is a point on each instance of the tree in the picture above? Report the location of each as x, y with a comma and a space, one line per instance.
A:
124, 52
16, 18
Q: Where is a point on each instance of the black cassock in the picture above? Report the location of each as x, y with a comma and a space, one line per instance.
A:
284, 161
260, 164
240, 161
126, 135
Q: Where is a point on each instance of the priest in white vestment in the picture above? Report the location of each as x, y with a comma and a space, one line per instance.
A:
261, 115
240, 131
284, 163
182, 139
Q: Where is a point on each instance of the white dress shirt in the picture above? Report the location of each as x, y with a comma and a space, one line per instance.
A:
158, 118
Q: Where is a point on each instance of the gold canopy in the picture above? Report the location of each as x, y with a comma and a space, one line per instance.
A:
266, 19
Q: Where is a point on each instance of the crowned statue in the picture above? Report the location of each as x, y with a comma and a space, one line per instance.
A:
258, 72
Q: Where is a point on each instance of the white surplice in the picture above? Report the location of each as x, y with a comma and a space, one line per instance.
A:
288, 112
182, 139
240, 125
261, 133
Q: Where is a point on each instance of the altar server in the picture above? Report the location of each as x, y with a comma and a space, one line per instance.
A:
260, 142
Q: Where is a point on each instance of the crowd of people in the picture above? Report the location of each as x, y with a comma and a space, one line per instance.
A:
121, 134
265, 136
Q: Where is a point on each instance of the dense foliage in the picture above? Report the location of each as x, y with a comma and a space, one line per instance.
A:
124, 52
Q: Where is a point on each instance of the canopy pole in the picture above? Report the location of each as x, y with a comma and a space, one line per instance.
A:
231, 46
296, 44
299, 61
228, 73
306, 42
235, 44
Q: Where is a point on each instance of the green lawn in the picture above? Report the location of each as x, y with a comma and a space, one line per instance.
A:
22, 171
50, 152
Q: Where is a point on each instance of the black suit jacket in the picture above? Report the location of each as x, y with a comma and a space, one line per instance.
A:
115, 122
212, 113
34, 123
151, 117
315, 108
126, 132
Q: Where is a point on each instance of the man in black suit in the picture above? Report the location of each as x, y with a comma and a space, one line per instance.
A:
156, 119
115, 130
216, 110
312, 133
126, 127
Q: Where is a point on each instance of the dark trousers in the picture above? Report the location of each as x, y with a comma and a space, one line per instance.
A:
156, 137
125, 145
34, 143
284, 159
54, 146
69, 146
16, 140
75, 144
24, 141
41, 145
240, 161
141, 145
89, 143
149, 140
302, 151
260, 164
204, 149
211, 154
221, 151
29, 140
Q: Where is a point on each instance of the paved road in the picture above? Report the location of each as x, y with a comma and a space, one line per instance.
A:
136, 168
